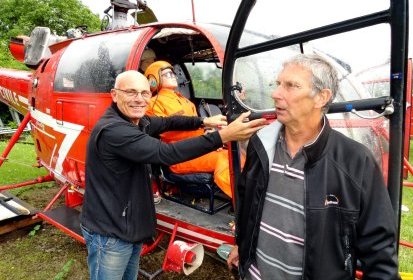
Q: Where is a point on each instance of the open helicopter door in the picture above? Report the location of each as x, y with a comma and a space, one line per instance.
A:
350, 39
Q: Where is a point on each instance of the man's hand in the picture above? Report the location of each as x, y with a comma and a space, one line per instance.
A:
241, 128
215, 121
233, 258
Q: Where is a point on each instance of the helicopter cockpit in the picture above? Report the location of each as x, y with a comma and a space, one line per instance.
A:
197, 68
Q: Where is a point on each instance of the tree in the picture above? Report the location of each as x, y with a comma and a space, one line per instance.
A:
19, 17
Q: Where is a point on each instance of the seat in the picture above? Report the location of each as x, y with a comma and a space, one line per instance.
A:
191, 190
208, 110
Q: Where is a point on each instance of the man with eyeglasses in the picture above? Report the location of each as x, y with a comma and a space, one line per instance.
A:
168, 101
118, 212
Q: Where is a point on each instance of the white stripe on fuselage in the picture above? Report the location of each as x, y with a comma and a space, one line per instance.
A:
70, 130
23, 100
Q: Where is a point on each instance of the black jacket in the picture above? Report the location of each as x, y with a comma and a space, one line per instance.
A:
360, 226
118, 200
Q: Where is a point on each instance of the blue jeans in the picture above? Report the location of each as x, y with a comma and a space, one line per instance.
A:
111, 258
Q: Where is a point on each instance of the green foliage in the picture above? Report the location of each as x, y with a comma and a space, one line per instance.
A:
35, 229
206, 81
7, 60
65, 271
12, 124
20, 17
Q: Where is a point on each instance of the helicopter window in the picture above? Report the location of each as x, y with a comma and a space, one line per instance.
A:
256, 74
376, 80
221, 31
206, 80
370, 136
348, 91
92, 64
363, 55
293, 16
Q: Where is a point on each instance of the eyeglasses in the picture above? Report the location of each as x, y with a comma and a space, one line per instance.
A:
169, 75
288, 86
133, 93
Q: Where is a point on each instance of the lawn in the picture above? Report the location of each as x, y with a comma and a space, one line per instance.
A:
22, 157
20, 164
406, 228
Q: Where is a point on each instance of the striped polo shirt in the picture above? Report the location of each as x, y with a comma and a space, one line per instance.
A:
280, 248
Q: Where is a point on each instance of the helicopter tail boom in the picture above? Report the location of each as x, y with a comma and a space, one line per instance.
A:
14, 89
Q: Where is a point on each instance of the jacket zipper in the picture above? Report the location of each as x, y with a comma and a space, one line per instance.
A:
124, 211
255, 227
126, 216
348, 265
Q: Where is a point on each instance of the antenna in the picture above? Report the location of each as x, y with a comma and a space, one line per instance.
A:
193, 11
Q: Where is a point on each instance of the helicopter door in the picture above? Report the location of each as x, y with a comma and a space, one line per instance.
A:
264, 34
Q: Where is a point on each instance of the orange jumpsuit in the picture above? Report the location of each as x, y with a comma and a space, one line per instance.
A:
167, 103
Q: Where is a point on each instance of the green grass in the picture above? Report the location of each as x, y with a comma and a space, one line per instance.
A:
40, 252
50, 254
23, 156
406, 228
19, 164
406, 232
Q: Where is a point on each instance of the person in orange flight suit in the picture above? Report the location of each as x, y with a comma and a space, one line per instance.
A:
166, 102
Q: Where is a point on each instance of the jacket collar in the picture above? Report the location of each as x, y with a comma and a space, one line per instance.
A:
268, 137
118, 112
143, 122
312, 151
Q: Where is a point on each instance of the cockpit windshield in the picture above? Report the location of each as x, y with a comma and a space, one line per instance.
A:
92, 65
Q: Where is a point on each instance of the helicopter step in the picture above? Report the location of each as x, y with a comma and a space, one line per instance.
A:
66, 219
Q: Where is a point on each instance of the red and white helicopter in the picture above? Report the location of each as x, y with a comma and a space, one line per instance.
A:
68, 90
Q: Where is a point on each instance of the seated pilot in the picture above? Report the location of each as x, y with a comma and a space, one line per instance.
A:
166, 101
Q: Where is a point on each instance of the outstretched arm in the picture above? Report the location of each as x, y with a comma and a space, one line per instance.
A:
130, 142
241, 129
216, 121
